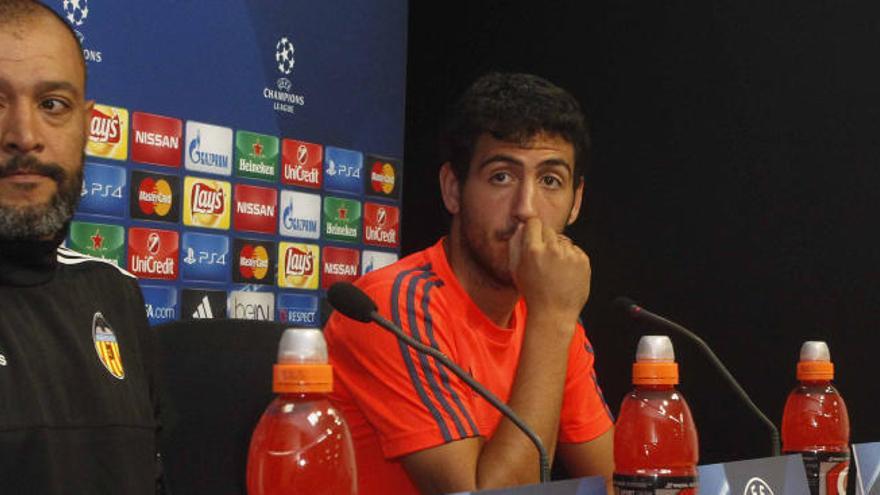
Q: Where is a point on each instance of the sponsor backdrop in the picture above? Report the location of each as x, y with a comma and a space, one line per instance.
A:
243, 155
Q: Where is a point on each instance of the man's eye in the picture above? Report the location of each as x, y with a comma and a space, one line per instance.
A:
551, 181
54, 105
500, 177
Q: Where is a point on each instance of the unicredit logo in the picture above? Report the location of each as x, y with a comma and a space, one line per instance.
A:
153, 253
300, 174
104, 128
154, 243
378, 234
205, 199
302, 154
298, 262
151, 265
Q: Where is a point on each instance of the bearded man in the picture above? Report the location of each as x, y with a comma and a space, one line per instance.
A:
501, 295
78, 409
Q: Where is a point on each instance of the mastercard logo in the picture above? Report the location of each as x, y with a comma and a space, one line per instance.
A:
154, 197
253, 262
382, 177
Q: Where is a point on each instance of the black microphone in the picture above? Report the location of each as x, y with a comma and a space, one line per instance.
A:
355, 304
637, 312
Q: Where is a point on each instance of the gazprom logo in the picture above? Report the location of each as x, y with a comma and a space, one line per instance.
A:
208, 148
300, 215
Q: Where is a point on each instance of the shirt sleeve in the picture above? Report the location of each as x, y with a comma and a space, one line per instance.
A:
585, 415
406, 398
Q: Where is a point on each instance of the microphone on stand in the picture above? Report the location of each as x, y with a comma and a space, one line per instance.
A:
355, 304
637, 312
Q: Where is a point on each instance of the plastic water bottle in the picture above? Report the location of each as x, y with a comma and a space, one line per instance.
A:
301, 444
655, 440
815, 422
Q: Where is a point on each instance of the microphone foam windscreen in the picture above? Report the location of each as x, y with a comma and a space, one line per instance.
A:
351, 301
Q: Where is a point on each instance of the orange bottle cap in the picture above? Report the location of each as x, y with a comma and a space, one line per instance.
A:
655, 373
302, 378
815, 370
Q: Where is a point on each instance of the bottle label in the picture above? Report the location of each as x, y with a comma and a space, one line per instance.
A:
826, 471
654, 485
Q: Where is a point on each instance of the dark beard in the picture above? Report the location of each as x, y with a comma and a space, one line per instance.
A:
480, 255
42, 221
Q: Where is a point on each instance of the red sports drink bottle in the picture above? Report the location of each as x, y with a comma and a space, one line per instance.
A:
301, 444
815, 422
655, 440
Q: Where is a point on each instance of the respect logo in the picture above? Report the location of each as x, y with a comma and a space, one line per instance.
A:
108, 132
155, 197
297, 267
206, 203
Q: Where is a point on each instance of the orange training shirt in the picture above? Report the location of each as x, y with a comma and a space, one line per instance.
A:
397, 401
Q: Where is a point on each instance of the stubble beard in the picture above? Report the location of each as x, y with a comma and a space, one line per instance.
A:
477, 246
46, 220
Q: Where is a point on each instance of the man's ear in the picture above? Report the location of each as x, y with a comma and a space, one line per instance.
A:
450, 189
578, 201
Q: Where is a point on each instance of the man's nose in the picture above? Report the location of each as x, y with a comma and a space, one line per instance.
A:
524, 207
18, 130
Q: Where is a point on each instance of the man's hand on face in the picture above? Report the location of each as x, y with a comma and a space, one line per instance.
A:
549, 270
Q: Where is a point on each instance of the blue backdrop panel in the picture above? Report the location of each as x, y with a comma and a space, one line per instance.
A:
204, 110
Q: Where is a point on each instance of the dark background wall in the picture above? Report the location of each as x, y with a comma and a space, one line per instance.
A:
733, 187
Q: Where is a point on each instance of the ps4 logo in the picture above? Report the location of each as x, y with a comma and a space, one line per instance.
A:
204, 257
102, 190
343, 170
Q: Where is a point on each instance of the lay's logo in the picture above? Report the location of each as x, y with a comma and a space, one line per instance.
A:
108, 132
206, 203
297, 263
207, 199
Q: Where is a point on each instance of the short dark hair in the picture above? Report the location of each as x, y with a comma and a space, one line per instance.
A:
18, 11
513, 108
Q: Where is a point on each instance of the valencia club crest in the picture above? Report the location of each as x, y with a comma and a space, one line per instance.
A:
107, 346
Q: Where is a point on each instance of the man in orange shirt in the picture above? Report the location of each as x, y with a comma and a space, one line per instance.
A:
500, 295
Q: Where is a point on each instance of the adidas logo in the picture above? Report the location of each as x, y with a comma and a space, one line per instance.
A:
203, 310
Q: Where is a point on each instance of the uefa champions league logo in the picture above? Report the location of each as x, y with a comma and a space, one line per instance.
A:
284, 55
284, 100
76, 11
